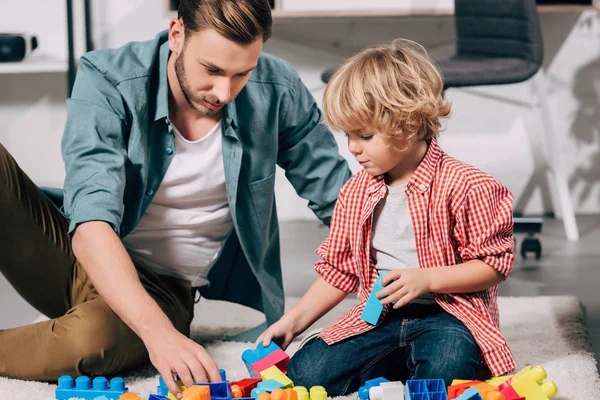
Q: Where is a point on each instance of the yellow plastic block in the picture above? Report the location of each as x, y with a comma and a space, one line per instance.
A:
301, 392
129, 396
318, 393
196, 392
532, 385
284, 380
460, 381
181, 387
270, 373
498, 380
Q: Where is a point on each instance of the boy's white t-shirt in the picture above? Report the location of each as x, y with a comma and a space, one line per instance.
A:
188, 221
393, 244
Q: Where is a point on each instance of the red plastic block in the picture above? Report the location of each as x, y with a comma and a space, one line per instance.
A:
246, 385
279, 358
456, 390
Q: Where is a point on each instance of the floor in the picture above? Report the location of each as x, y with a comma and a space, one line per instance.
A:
566, 268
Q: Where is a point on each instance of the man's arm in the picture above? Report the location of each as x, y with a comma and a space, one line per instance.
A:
94, 152
309, 153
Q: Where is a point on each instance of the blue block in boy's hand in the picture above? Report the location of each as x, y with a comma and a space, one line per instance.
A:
373, 307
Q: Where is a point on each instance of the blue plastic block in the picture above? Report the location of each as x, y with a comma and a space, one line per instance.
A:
250, 356
103, 397
157, 397
470, 394
425, 389
223, 374
265, 386
363, 391
373, 307
218, 390
162, 389
84, 388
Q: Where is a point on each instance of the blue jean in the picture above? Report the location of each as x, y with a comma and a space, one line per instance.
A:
415, 342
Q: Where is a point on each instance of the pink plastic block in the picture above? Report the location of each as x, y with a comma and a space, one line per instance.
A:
279, 358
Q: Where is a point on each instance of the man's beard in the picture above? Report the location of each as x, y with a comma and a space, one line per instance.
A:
187, 93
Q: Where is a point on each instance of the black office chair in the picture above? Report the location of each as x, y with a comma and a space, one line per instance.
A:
500, 42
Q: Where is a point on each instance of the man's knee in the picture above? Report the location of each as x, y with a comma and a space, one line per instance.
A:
94, 332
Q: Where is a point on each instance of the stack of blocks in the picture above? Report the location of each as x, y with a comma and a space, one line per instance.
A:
268, 362
373, 307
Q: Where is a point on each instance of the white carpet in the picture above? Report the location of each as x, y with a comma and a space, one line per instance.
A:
540, 330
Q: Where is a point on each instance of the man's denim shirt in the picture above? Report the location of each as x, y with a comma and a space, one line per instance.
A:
118, 143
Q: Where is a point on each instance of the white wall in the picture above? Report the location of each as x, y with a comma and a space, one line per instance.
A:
485, 129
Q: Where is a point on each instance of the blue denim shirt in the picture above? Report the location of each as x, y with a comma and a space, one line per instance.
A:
118, 143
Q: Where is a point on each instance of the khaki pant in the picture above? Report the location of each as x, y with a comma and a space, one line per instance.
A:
83, 336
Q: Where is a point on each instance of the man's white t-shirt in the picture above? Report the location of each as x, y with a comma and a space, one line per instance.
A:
188, 221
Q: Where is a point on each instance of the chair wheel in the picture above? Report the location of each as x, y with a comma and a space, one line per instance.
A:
531, 245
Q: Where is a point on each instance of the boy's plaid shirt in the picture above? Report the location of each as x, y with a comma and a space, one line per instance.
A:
458, 213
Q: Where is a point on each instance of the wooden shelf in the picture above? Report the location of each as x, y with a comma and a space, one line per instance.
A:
35, 63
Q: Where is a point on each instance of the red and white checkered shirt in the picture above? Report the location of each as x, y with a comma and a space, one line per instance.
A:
458, 213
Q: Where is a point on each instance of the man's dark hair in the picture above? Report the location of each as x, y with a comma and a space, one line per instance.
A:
241, 21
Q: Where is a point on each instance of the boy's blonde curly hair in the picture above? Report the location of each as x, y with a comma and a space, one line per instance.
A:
394, 89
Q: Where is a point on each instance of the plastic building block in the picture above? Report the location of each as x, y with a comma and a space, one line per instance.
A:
274, 373
251, 356
157, 397
425, 389
101, 398
281, 394
129, 396
458, 387
265, 386
531, 385
197, 392
387, 391
373, 307
236, 392
498, 380
318, 393
278, 358
246, 385
217, 390
470, 394
223, 374
301, 392
363, 391
84, 388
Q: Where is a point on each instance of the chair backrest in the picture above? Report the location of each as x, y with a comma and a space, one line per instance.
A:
498, 28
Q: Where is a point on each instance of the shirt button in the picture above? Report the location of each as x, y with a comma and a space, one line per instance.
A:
168, 151
150, 192
423, 187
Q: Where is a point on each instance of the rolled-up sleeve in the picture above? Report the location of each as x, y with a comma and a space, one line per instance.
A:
93, 149
487, 226
337, 264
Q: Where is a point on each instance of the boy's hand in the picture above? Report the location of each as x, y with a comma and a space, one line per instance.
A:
283, 330
404, 285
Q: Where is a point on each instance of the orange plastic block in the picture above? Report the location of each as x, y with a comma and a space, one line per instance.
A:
129, 396
246, 385
196, 392
236, 392
489, 392
264, 396
281, 394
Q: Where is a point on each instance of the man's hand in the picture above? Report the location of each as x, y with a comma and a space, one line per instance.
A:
172, 352
284, 330
404, 285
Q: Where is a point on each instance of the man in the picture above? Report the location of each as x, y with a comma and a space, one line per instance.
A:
170, 151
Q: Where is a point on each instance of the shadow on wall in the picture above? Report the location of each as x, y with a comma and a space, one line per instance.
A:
585, 129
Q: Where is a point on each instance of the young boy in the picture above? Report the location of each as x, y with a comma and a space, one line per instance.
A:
440, 228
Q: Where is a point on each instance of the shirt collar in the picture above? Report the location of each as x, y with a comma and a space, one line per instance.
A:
421, 179
162, 96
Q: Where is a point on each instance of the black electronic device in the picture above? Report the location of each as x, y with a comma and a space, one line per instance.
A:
16, 46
